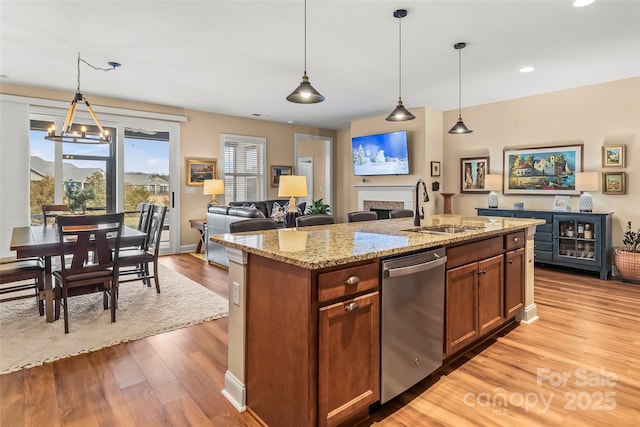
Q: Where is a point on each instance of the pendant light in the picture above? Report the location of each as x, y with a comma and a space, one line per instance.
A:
305, 93
460, 127
400, 114
80, 135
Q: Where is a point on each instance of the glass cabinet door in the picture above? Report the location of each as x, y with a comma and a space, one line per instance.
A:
575, 239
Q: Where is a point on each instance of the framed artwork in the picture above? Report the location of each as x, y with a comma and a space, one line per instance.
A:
613, 156
200, 169
542, 171
435, 168
472, 173
560, 203
277, 171
614, 183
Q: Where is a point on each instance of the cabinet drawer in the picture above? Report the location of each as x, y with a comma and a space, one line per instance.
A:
543, 237
475, 251
514, 240
347, 281
547, 216
544, 228
543, 256
543, 246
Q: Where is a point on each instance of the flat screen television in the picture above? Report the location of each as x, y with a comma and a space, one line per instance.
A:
381, 154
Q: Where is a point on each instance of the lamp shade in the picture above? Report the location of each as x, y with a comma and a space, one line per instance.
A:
292, 186
586, 181
213, 186
493, 182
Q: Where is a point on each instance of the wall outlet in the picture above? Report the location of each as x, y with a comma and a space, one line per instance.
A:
190, 190
236, 293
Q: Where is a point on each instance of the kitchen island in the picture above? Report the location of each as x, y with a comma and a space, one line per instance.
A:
304, 315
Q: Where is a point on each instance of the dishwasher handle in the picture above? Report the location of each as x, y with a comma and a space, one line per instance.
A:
412, 269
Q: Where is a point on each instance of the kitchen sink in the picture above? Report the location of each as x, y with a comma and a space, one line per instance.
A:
445, 229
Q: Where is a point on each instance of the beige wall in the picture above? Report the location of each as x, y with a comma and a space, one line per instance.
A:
425, 145
595, 115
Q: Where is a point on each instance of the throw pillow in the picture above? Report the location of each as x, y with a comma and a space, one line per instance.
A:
277, 212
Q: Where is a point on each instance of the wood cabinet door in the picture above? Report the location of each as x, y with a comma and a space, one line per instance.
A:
513, 282
461, 303
349, 358
490, 293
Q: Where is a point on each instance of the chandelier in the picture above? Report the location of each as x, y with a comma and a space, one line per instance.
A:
80, 135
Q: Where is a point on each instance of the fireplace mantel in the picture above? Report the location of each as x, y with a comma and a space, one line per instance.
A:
386, 192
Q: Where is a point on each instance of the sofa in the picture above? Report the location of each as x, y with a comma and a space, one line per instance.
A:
219, 218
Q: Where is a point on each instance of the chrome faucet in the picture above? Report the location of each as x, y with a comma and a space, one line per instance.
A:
425, 198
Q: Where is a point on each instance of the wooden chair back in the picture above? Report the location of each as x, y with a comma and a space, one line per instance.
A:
52, 211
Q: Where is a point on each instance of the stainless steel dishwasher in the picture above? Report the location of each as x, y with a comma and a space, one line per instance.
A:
412, 320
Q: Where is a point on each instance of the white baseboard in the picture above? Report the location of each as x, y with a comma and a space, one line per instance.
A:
235, 391
188, 248
528, 315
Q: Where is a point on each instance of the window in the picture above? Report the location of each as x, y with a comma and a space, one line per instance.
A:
244, 168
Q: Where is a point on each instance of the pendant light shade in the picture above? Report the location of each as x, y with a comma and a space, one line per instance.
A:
305, 93
459, 127
400, 114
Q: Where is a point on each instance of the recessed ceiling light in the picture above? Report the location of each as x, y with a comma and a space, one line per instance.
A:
582, 3
526, 69
291, 122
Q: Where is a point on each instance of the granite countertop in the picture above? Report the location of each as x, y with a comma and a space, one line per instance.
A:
331, 245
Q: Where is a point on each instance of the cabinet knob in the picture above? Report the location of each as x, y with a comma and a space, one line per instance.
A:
351, 306
516, 239
510, 261
353, 280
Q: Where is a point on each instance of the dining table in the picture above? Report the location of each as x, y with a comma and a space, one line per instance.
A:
43, 242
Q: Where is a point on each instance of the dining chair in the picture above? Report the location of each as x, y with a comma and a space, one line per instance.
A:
401, 213
93, 266
362, 216
314, 219
15, 272
52, 211
136, 261
254, 224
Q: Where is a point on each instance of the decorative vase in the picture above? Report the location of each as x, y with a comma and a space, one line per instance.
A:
627, 263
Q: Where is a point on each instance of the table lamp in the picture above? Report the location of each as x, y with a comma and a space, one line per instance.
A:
292, 186
213, 187
492, 182
585, 182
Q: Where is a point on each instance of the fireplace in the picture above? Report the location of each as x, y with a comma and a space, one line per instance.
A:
386, 197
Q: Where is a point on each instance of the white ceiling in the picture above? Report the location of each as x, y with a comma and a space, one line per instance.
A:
244, 57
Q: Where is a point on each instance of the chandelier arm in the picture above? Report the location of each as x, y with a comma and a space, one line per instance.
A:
95, 118
67, 120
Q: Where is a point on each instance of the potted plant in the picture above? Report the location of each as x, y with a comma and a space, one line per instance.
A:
627, 259
76, 197
318, 207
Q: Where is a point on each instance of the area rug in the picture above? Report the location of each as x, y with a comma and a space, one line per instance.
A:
26, 339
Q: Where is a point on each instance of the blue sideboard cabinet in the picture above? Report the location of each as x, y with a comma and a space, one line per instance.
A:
580, 240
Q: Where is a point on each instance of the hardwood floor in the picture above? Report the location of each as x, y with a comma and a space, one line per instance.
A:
577, 366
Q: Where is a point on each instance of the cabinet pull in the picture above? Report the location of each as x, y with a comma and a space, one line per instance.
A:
353, 280
510, 261
351, 306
